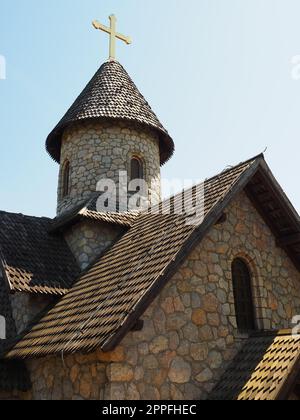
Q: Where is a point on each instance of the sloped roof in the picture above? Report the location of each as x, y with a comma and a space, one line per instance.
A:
112, 294
111, 94
109, 298
34, 260
263, 370
88, 211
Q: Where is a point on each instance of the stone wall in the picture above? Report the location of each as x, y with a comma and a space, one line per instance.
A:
75, 377
25, 306
190, 333
100, 150
87, 240
18, 310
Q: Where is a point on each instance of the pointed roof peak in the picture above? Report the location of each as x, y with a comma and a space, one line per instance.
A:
111, 95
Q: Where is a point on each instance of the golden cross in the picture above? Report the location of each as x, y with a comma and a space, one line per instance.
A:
113, 35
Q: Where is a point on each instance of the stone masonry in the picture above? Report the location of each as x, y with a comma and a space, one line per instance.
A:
25, 307
190, 333
101, 150
87, 240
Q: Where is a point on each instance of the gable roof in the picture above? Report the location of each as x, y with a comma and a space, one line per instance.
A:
112, 95
33, 260
277, 211
265, 369
88, 211
115, 290
108, 299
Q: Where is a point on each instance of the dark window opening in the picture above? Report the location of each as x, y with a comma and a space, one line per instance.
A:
136, 169
243, 298
66, 180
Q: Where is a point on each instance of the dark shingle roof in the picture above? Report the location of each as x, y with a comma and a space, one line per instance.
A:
261, 368
34, 260
114, 292
111, 94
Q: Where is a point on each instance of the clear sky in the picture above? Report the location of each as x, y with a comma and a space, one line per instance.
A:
218, 74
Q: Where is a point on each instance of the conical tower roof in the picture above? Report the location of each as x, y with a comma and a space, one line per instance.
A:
111, 95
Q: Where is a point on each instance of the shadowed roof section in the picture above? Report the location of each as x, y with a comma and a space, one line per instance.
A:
265, 369
33, 260
111, 95
109, 298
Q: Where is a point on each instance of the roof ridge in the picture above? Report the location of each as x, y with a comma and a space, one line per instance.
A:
24, 215
207, 180
228, 169
138, 266
123, 272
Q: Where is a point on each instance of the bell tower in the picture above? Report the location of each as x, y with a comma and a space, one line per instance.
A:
109, 128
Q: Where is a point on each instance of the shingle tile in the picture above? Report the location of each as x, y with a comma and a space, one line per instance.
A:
34, 260
111, 94
103, 298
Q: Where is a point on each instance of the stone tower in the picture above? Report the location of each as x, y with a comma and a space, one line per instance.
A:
109, 128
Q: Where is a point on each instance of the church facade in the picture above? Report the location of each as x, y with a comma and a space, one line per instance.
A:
133, 305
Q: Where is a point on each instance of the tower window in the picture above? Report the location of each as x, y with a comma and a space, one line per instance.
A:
136, 169
66, 179
242, 289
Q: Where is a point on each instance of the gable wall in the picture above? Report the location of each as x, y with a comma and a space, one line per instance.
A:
189, 333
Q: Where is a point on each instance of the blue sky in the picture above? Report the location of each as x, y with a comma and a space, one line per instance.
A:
216, 72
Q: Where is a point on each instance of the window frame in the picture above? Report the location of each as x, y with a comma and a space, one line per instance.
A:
243, 295
141, 169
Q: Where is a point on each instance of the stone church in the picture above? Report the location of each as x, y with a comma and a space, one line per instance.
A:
104, 305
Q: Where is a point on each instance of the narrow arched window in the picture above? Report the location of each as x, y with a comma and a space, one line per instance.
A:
136, 169
66, 179
243, 299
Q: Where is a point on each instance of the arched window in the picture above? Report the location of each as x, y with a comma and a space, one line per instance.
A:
136, 169
242, 289
66, 179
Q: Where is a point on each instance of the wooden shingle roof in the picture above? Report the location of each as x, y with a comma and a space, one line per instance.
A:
33, 260
265, 369
111, 95
108, 299
88, 211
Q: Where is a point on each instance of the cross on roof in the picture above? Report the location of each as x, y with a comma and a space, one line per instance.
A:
113, 35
